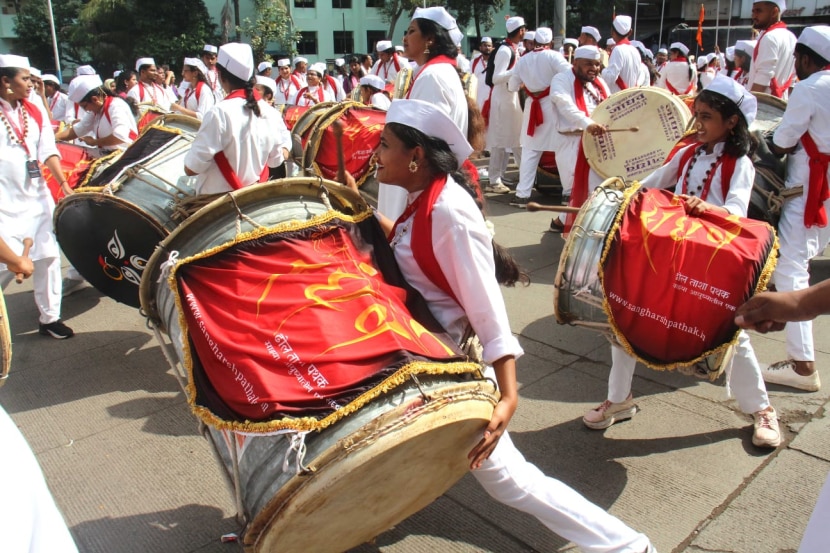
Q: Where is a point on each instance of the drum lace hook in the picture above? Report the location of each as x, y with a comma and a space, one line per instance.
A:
168, 265
417, 382
323, 195
241, 216
297, 444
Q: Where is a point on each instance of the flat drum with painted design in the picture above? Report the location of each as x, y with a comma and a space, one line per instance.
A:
109, 228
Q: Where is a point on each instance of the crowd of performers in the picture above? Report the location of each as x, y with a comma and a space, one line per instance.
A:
423, 165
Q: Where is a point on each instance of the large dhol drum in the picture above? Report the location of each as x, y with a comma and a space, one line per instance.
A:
335, 488
663, 285
301, 130
110, 228
292, 113
768, 190
645, 125
75, 164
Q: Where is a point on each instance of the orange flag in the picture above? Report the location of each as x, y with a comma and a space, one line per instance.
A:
700, 27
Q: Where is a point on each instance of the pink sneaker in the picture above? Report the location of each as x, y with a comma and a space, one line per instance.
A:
608, 413
766, 433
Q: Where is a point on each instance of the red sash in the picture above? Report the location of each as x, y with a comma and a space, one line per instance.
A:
141, 93
34, 112
779, 90
107, 103
485, 108
422, 228
536, 116
676, 92
817, 191
433, 61
222, 160
320, 94
726, 163
333, 84
287, 90
619, 82
774, 87
475, 63
579, 193
190, 92
778, 25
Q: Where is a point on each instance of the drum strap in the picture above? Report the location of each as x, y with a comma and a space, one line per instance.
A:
536, 116
107, 103
817, 192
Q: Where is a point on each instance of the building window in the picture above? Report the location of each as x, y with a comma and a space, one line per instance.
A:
375, 3
308, 43
303, 3
372, 38
341, 4
343, 42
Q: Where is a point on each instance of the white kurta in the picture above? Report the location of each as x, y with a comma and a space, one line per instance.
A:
287, 90
319, 93
479, 68
381, 100
624, 63
774, 60
387, 71
505, 110
676, 74
26, 205
249, 143
60, 106
150, 94
201, 100
29, 519
535, 70
213, 81
807, 111
120, 123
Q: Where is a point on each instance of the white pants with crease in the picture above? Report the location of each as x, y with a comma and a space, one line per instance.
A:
46, 282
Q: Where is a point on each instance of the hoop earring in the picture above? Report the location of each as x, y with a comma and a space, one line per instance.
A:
413, 167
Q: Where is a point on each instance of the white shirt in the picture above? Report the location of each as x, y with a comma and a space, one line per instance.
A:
808, 110
440, 85
59, 105
676, 74
624, 63
775, 59
381, 100
479, 68
387, 71
26, 205
504, 130
287, 90
464, 251
740, 188
213, 81
319, 93
201, 100
120, 123
152, 93
249, 143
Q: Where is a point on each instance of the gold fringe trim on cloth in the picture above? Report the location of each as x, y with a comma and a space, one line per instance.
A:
93, 167
303, 423
763, 280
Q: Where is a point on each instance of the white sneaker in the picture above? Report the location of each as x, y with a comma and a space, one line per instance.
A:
766, 433
497, 188
70, 285
783, 373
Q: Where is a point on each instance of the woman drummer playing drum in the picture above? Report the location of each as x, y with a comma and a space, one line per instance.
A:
241, 137
199, 98
715, 173
446, 252
108, 123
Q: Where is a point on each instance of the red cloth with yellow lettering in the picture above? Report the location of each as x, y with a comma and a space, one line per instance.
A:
75, 163
362, 127
672, 282
300, 323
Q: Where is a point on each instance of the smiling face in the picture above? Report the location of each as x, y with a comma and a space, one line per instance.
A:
312, 78
393, 158
586, 70
711, 126
285, 71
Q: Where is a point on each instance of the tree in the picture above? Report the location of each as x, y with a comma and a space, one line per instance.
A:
34, 37
272, 24
479, 11
393, 9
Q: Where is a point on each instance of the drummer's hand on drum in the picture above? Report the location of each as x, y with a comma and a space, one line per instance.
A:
348, 180
90, 141
66, 189
695, 206
506, 376
595, 129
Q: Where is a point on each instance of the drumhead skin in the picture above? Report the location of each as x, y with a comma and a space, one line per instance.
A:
770, 112
5, 341
108, 240
661, 121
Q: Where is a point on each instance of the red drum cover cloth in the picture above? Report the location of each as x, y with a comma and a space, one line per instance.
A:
147, 119
75, 162
672, 282
299, 324
362, 128
292, 114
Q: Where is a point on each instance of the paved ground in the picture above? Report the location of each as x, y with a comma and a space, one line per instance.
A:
121, 452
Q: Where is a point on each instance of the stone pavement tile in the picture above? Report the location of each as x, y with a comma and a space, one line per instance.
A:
770, 514
662, 473
445, 526
132, 491
814, 438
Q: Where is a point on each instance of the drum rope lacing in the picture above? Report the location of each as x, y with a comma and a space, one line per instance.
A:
297, 444
241, 216
167, 266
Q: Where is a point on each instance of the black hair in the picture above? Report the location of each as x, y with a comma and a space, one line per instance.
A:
121, 80
97, 92
144, 67
442, 44
740, 141
816, 59
201, 76
9, 72
516, 32
237, 83
441, 159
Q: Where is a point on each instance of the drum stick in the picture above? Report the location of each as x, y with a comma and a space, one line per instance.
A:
533, 206
628, 129
27, 245
337, 128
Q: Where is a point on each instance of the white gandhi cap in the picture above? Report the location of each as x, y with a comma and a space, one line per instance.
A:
443, 18
817, 39
432, 121
83, 85
730, 88
238, 59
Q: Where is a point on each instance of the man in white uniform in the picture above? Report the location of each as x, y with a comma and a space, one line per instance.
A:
803, 230
623, 69
773, 67
505, 113
535, 70
574, 95
590, 36
209, 53
147, 91
389, 62
300, 68
479, 68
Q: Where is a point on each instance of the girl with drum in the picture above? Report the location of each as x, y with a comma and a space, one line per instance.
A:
26, 205
715, 173
446, 252
199, 98
372, 92
241, 137
314, 92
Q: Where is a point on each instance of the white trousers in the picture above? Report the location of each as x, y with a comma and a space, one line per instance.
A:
498, 162
745, 380
46, 282
798, 244
527, 172
511, 480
